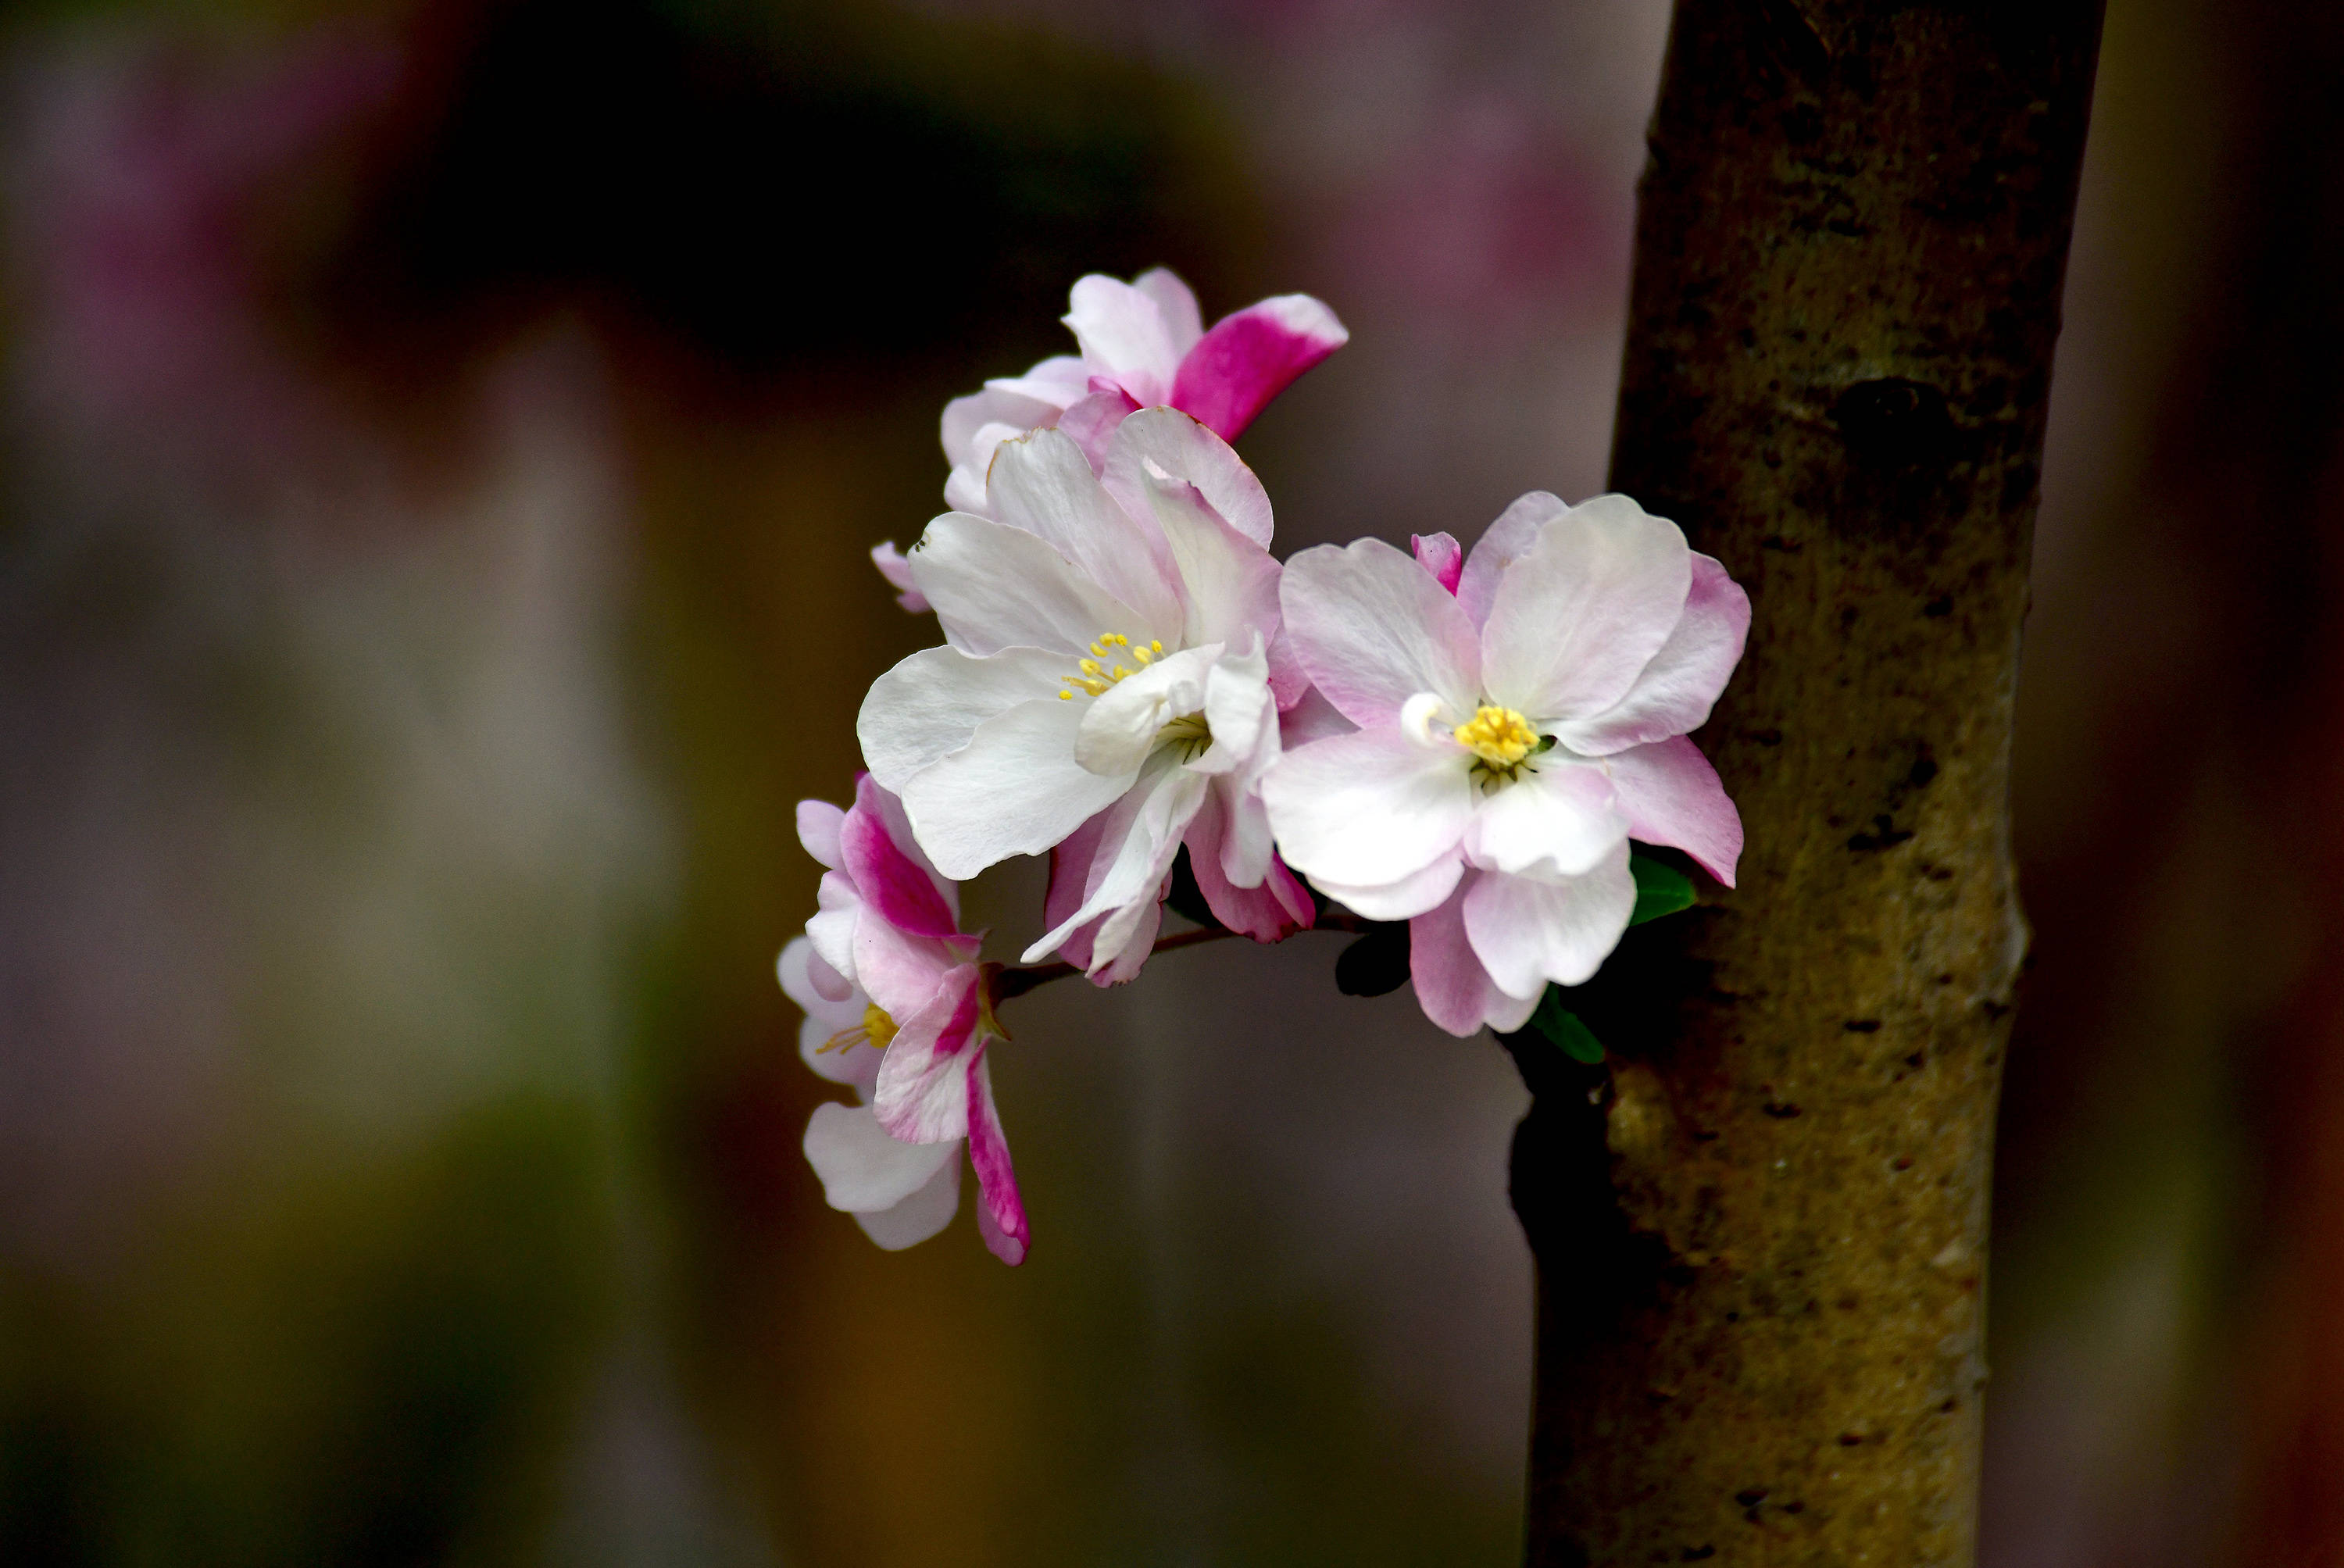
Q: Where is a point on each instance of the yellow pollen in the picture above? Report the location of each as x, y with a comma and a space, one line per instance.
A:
1498, 736
878, 1026
1157, 647
1094, 679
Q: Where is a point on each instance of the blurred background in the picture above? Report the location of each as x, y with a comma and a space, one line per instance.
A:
438, 444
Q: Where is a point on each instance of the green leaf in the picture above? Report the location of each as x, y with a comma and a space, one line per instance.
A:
1659, 889
1561, 1025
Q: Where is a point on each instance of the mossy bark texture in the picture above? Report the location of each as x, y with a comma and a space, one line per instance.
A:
1762, 1233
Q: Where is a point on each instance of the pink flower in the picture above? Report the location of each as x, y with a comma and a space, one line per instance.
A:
1143, 346
1520, 719
890, 984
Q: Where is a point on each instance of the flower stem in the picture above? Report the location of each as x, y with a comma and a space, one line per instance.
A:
1008, 981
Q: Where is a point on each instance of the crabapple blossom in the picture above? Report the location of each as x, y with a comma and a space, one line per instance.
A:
1110, 686
896, 1005
1144, 345
1521, 716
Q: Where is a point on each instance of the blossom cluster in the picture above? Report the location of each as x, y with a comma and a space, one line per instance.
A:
1133, 684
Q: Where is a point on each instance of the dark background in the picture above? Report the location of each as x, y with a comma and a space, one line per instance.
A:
437, 447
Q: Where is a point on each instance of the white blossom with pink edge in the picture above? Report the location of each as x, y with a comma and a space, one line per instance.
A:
1144, 345
1110, 688
1521, 716
895, 1005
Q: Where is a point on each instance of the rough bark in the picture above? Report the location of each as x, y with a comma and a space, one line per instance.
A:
1762, 1235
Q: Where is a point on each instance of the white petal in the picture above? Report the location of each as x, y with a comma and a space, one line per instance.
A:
862, 1169
996, 405
1373, 629
1179, 446
1042, 483
1176, 303
1368, 809
818, 824
1119, 727
929, 705
1135, 847
831, 1013
1515, 529
1673, 694
1243, 718
1584, 609
1058, 380
1015, 789
919, 1216
1228, 583
1559, 820
993, 586
1124, 335
1403, 900
1528, 932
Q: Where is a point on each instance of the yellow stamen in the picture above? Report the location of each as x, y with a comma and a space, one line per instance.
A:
1142, 655
1088, 666
1498, 736
1157, 646
1094, 678
878, 1026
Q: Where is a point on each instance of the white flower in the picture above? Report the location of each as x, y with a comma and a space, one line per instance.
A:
1110, 687
1512, 737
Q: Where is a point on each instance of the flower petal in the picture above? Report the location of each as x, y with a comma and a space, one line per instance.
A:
1515, 529
1584, 608
1092, 419
1023, 404
1270, 904
1440, 554
1042, 483
1671, 795
1123, 334
897, 887
832, 933
1001, 1214
1228, 583
1372, 628
1672, 695
897, 570
1119, 725
862, 1169
1370, 808
1055, 383
1527, 932
818, 825
919, 1216
1557, 822
1451, 986
932, 703
1015, 789
1250, 356
1179, 447
1137, 841
922, 1092
1405, 899
831, 1013
1176, 303
995, 586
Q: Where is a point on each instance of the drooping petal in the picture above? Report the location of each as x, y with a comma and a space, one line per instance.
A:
862, 1169
1119, 727
1015, 789
897, 570
1268, 907
1123, 334
1171, 443
1373, 630
1557, 822
923, 1091
1405, 899
1451, 986
1370, 808
931, 704
818, 825
1515, 529
1672, 695
1176, 303
1527, 931
1042, 483
1001, 1213
1581, 611
919, 1216
1440, 554
1250, 356
1672, 796
895, 886
1135, 847
993, 586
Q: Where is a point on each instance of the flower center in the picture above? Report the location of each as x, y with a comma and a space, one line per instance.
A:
1189, 734
1498, 736
1096, 675
877, 1030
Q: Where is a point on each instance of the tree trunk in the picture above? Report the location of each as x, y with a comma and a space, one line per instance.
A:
1762, 1235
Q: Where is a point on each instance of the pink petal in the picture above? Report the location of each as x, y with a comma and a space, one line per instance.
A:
1451, 986
922, 1090
1123, 334
899, 889
1372, 628
1185, 450
1527, 931
1578, 616
1001, 1213
897, 570
1440, 554
1249, 357
1271, 911
818, 825
1674, 693
1092, 421
1515, 529
1672, 796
